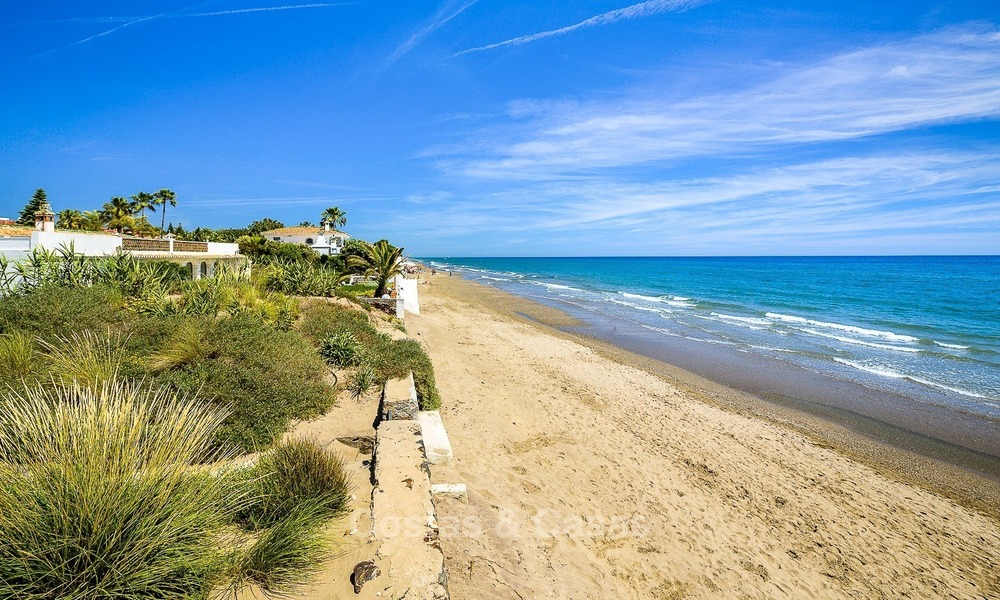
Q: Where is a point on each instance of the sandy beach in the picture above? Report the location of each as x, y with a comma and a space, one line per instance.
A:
590, 477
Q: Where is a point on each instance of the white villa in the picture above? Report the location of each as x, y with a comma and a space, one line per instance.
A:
201, 259
325, 240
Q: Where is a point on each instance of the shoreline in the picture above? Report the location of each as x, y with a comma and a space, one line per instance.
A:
963, 474
593, 473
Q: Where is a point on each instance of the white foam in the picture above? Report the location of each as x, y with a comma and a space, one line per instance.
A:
641, 297
953, 346
883, 372
848, 340
635, 306
886, 335
750, 320
738, 323
493, 278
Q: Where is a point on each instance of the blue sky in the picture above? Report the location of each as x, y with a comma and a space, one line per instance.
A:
489, 128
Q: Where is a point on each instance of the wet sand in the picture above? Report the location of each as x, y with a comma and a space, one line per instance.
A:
594, 472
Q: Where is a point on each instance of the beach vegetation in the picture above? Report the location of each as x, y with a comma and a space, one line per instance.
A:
99, 498
85, 358
383, 261
293, 473
340, 349
19, 356
265, 376
122, 491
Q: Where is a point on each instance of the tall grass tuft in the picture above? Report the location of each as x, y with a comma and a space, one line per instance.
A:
87, 358
184, 347
18, 354
100, 497
284, 556
295, 473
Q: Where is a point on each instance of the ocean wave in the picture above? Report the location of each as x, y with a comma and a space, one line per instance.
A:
678, 301
952, 346
848, 340
749, 320
493, 278
883, 372
738, 323
635, 306
886, 335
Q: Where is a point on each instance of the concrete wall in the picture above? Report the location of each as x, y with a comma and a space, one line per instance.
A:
221, 249
89, 244
407, 290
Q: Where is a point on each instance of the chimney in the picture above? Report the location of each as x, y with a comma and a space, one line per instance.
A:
327, 226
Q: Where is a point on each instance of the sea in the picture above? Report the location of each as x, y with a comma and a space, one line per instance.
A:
921, 328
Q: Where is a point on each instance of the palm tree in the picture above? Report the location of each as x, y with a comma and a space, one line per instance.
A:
118, 214
334, 217
162, 198
383, 260
142, 202
93, 220
70, 219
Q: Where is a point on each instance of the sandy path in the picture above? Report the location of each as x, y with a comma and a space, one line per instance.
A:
591, 479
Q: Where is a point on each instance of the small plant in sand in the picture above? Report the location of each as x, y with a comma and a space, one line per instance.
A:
362, 381
296, 472
340, 349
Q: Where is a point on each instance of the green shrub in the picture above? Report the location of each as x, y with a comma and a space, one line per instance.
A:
52, 311
340, 349
294, 473
99, 498
264, 376
386, 358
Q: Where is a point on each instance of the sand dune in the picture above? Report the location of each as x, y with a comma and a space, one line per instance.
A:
589, 478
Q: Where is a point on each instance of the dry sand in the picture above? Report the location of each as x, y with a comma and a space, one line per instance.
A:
590, 478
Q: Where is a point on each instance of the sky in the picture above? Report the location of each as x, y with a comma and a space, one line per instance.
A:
522, 128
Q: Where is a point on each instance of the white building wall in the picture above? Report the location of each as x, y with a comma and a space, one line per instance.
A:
220, 249
83, 243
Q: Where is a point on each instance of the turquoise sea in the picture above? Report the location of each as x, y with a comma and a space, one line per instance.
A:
923, 328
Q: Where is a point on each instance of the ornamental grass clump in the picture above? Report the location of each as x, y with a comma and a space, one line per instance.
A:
101, 494
88, 358
18, 355
296, 474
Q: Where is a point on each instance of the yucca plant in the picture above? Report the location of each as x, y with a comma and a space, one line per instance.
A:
102, 498
88, 358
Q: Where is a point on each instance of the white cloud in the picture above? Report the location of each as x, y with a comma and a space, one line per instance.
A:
949, 76
635, 11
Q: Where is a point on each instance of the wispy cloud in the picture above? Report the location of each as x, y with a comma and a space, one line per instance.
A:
827, 203
635, 11
950, 76
448, 11
181, 14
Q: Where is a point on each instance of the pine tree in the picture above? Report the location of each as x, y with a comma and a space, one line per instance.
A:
28, 212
